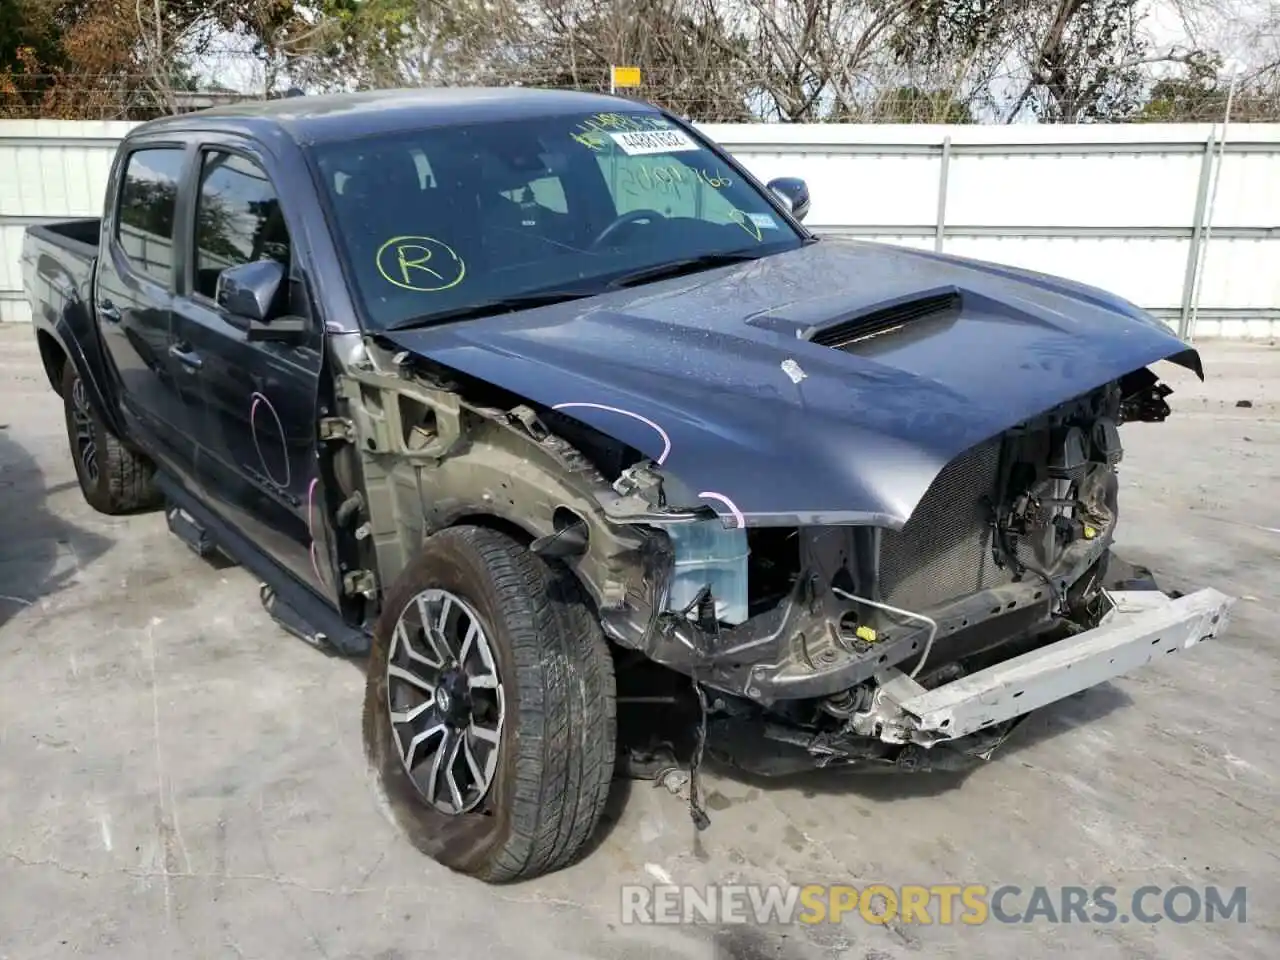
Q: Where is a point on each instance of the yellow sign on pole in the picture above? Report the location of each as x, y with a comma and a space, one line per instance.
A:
625, 77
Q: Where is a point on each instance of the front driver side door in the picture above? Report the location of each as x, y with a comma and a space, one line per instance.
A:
259, 397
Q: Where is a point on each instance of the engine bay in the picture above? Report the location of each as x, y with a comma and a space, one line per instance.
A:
997, 548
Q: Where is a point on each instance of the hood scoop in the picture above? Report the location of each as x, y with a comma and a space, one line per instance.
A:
903, 317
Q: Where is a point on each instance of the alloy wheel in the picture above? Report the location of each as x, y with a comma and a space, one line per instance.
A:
446, 701
86, 445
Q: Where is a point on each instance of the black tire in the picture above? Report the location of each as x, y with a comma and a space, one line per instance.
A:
113, 478
555, 756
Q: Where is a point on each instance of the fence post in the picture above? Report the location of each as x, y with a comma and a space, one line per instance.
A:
1197, 230
940, 227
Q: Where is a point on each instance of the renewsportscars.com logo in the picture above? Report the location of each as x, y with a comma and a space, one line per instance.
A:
969, 904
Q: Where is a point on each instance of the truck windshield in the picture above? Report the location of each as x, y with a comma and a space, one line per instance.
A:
438, 222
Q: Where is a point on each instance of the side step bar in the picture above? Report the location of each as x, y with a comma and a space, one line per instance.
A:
1141, 626
184, 526
294, 606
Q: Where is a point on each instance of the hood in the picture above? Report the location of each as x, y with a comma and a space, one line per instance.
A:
724, 377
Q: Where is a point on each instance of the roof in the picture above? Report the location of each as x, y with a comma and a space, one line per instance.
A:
344, 116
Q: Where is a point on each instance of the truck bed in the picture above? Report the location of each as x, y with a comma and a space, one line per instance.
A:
79, 237
58, 261
57, 266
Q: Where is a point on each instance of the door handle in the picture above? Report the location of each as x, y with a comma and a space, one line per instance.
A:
109, 311
186, 356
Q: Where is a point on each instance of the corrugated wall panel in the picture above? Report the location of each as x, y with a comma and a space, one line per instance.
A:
849, 191
1242, 274
1249, 192
10, 262
1145, 271
14, 310
1094, 190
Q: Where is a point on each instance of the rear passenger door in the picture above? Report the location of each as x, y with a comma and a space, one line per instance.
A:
134, 297
259, 398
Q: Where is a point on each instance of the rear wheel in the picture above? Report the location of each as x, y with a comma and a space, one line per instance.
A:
489, 708
113, 478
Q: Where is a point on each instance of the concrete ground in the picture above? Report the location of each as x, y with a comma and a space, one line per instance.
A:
179, 778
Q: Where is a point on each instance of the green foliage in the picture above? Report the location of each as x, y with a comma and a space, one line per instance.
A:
1088, 69
941, 31
918, 105
28, 37
1198, 95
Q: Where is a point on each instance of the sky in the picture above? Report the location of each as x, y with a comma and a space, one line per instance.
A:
1228, 26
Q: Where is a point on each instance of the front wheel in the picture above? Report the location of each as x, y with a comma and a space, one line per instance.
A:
113, 478
489, 716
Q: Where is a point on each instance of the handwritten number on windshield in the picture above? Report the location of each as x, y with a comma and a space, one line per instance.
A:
667, 179
593, 132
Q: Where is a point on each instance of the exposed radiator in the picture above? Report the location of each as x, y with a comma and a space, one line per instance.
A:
944, 551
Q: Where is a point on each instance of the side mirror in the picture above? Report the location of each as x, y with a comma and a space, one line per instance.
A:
248, 291
793, 192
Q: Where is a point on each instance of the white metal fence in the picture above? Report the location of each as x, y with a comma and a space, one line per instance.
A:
1177, 218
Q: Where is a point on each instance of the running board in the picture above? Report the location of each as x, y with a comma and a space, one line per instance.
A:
1141, 626
295, 607
288, 619
185, 527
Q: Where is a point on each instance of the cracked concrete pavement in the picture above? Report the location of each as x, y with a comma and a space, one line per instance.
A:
179, 778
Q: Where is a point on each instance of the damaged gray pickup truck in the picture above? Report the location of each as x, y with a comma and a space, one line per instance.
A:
543, 402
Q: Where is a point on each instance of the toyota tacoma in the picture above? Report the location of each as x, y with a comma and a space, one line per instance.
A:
540, 400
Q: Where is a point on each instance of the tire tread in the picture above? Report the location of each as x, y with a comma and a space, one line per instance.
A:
565, 722
126, 478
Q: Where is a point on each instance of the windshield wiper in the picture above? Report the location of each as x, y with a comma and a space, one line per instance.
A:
489, 308
678, 267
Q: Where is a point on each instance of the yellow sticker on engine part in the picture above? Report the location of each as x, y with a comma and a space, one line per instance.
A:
1090, 532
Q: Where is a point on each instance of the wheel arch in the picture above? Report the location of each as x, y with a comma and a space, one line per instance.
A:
472, 517
525, 536
54, 358
433, 455
59, 345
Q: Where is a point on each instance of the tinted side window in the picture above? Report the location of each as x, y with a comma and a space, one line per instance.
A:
238, 219
148, 197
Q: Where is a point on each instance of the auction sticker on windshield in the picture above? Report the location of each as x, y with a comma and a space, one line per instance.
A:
638, 142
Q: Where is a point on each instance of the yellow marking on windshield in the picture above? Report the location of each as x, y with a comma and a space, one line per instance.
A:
668, 178
593, 132
407, 257
718, 181
747, 224
591, 140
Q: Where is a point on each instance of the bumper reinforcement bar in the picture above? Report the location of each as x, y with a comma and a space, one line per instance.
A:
1141, 626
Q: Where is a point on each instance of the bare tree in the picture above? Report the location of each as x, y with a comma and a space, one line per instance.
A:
692, 60
718, 60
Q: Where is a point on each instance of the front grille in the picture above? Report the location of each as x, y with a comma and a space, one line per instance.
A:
944, 551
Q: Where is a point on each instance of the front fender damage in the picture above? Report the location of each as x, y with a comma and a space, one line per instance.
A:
822, 669
421, 451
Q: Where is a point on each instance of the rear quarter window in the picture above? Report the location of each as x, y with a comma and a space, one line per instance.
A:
145, 216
